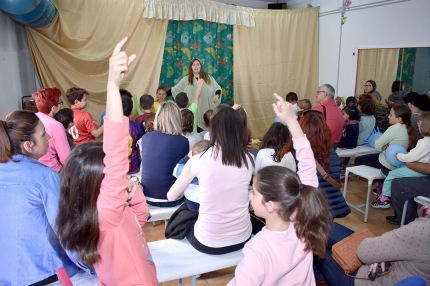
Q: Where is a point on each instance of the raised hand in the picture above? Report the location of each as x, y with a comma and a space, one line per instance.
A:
119, 63
284, 110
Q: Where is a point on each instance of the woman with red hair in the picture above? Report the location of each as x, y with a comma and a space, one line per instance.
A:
49, 103
320, 137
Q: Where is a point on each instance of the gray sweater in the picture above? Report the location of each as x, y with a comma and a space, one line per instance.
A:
408, 247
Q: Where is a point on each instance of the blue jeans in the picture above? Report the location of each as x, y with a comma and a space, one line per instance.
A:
333, 274
167, 204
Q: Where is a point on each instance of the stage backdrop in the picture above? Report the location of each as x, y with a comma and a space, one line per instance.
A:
210, 42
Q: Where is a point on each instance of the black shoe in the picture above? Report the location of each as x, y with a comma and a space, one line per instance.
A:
384, 172
392, 219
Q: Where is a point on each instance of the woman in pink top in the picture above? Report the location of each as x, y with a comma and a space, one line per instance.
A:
101, 213
224, 171
297, 218
48, 103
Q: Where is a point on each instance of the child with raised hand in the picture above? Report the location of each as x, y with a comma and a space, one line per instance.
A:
103, 224
297, 218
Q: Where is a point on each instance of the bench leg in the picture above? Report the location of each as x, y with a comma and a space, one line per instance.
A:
153, 223
345, 185
194, 280
366, 212
180, 282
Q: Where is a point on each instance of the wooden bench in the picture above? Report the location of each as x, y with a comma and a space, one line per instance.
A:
177, 259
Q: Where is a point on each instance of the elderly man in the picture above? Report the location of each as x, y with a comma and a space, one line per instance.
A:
332, 114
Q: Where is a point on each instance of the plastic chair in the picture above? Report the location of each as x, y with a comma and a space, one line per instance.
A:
370, 174
419, 199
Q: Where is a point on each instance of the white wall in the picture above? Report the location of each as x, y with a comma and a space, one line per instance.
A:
370, 24
16, 67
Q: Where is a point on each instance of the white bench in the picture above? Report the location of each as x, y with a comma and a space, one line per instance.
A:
418, 199
177, 259
356, 152
370, 174
158, 213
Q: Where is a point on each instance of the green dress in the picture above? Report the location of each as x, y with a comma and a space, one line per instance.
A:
206, 97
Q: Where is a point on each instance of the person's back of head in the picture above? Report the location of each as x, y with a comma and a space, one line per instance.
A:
397, 86
312, 212
168, 118
30, 105
423, 102
65, 116
146, 101
127, 105
304, 104
200, 147
124, 92
187, 121
229, 135
75, 93
149, 123
182, 100
244, 116
339, 101
207, 117
351, 101
46, 98
277, 135
77, 216
425, 123
353, 112
367, 106
291, 97
17, 134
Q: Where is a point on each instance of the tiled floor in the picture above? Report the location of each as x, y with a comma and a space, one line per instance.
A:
356, 194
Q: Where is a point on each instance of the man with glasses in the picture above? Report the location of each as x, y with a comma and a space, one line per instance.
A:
332, 114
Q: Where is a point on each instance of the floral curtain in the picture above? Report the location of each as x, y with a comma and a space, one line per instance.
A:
199, 9
210, 42
405, 71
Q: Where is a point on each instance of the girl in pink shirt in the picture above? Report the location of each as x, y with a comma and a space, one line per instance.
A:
297, 218
101, 213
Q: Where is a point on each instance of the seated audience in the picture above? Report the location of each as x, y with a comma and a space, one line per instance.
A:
29, 190
135, 132
406, 248
367, 119
162, 149
65, 117
339, 102
397, 92
187, 128
271, 146
149, 123
48, 103
147, 104
351, 116
331, 113
192, 192
104, 223
183, 101
318, 133
122, 92
381, 114
418, 104
84, 129
351, 101
224, 171
370, 89
297, 218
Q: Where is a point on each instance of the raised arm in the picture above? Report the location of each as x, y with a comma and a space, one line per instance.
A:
198, 91
307, 168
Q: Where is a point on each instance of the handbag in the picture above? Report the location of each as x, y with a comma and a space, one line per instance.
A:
327, 177
345, 251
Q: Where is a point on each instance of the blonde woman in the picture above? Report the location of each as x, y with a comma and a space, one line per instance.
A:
161, 151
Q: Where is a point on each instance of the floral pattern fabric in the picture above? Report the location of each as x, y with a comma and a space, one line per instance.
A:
210, 42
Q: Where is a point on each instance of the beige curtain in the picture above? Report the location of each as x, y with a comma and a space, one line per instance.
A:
379, 65
75, 49
280, 54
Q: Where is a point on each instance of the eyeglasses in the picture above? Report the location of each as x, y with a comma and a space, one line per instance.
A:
60, 102
318, 91
368, 85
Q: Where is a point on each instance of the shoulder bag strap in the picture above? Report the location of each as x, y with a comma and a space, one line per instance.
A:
327, 176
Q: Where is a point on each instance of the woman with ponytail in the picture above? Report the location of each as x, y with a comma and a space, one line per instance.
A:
297, 218
29, 190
